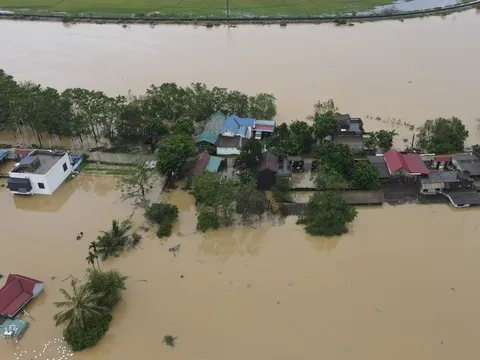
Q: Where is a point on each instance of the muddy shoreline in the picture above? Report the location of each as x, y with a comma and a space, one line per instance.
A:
233, 21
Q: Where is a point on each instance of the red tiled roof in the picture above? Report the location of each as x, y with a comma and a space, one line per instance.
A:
201, 163
442, 158
410, 162
16, 292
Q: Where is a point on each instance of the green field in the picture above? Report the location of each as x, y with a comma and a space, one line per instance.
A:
193, 8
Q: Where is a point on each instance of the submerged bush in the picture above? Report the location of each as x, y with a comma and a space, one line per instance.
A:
111, 283
207, 220
165, 230
162, 213
95, 327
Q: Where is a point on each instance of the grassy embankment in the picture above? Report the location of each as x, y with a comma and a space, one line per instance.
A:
191, 8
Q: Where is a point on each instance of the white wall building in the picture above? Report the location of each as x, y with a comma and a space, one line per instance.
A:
41, 172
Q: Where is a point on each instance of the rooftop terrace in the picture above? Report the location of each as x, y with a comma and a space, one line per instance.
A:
47, 159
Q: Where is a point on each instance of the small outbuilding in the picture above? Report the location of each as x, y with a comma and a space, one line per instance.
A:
16, 293
267, 170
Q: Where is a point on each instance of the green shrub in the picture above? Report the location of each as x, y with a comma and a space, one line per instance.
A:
162, 213
165, 230
109, 282
88, 336
207, 220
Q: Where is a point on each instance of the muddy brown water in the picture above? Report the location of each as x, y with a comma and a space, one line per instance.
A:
411, 70
403, 284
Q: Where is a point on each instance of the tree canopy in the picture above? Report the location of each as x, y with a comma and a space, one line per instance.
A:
365, 176
442, 135
337, 157
251, 153
172, 152
327, 214
324, 122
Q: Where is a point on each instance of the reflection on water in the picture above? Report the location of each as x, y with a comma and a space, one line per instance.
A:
410, 71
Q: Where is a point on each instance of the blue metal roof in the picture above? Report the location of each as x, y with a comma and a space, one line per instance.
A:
3, 154
236, 124
213, 164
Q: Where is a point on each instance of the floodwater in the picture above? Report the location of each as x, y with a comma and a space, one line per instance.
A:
404, 72
403, 284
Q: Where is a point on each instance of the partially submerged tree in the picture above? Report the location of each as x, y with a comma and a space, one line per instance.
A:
442, 135
138, 182
111, 283
262, 106
164, 215
385, 138
207, 220
365, 176
78, 307
251, 153
281, 189
114, 241
324, 122
327, 178
327, 214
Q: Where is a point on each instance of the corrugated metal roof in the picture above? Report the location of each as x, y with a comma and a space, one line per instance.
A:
234, 124
213, 163
3, 154
16, 292
212, 128
268, 161
201, 163
411, 162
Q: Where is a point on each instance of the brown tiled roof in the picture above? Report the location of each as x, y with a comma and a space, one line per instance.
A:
201, 163
268, 161
16, 292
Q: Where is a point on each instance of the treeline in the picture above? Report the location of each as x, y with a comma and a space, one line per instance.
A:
77, 112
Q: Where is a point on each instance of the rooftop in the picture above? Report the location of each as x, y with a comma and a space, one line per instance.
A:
349, 124
16, 292
212, 128
268, 161
468, 162
214, 163
46, 158
379, 163
237, 125
441, 176
201, 163
410, 162
229, 142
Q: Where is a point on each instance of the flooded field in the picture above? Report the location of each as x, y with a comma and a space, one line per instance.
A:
402, 285
404, 72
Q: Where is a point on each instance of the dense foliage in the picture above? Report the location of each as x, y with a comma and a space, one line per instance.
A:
296, 139
111, 283
214, 195
250, 154
88, 336
207, 220
365, 176
142, 119
164, 215
328, 178
327, 214
139, 181
324, 122
442, 136
281, 189
337, 157
172, 152
114, 241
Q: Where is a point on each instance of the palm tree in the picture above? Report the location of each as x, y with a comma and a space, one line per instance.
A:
91, 258
93, 247
112, 242
78, 306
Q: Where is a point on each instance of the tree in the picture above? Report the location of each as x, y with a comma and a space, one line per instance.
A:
91, 258
112, 242
207, 220
250, 201
93, 247
365, 176
442, 135
301, 138
328, 178
214, 194
337, 157
327, 214
173, 151
163, 214
281, 189
262, 106
110, 282
370, 142
139, 181
88, 336
183, 126
251, 153
385, 138
78, 307
324, 122
247, 176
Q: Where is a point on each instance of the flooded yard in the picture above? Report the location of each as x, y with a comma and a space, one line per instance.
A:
402, 284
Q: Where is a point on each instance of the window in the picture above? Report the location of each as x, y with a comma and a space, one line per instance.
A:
65, 167
41, 185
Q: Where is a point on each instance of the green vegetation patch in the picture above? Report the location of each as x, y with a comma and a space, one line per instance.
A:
193, 8
105, 169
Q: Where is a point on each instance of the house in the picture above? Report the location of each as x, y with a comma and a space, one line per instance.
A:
234, 135
267, 170
205, 162
441, 181
467, 163
209, 135
40, 172
16, 293
3, 154
263, 128
399, 164
237, 126
441, 162
350, 132
379, 163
